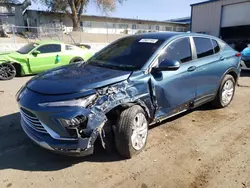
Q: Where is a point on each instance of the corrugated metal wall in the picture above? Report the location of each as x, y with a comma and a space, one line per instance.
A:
207, 17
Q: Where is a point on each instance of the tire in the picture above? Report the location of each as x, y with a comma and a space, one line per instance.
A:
219, 102
7, 71
126, 137
75, 59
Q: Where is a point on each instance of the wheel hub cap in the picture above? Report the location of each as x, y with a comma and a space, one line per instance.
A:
227, 91
140, 131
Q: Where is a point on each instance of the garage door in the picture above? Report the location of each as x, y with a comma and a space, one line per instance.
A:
236, 15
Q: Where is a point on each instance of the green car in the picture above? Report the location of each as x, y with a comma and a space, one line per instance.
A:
39, 56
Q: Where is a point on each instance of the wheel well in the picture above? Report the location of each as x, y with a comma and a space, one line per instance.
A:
234, 75
76, 58
115, 112
18, 68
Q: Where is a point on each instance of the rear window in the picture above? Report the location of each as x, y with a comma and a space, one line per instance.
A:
204, 47
216, 46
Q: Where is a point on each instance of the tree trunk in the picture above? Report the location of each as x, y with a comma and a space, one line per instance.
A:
75, 20
76, 24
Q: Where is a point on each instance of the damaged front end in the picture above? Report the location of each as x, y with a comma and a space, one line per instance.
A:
72, 126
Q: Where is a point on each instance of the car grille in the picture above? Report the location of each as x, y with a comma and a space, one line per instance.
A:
32, 121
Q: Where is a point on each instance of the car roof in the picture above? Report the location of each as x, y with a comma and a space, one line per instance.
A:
167, 35
48, 42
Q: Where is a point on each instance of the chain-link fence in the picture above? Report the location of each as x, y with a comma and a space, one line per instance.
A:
13, 37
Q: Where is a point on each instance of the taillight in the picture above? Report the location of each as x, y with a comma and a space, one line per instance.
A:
238, 54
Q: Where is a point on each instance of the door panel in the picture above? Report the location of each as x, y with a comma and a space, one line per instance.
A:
174, 89
47, 59
210, 66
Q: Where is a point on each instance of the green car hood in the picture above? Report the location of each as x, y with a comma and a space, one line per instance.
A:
11, 56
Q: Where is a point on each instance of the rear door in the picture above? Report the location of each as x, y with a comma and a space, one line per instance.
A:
210, 66
48, 58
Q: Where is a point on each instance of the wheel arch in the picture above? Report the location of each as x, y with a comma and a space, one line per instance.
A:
18, 67
231, 71
147, 109
76, 58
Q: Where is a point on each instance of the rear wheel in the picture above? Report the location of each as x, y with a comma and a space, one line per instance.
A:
7, 71
131, 131
226, 92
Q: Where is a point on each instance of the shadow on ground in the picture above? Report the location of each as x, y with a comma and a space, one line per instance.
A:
18, 152
245, 73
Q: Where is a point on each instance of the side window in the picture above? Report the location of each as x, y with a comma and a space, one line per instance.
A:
216, 46
50, 48
203, 46
179, 50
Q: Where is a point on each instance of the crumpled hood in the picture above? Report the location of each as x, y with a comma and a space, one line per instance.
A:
75, 78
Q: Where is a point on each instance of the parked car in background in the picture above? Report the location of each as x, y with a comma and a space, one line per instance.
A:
125, 87
245, 63
39, 56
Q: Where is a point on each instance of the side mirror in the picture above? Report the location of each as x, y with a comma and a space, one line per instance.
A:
168, 65
36, 52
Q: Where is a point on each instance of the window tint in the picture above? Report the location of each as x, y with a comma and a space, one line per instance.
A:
179, 50
216, 46
203, 47
50, 48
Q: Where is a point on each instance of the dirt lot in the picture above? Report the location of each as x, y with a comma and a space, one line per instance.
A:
202, 148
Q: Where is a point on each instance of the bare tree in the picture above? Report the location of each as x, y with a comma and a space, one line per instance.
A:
75, 8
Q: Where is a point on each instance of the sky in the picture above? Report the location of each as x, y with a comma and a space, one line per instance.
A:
146, 9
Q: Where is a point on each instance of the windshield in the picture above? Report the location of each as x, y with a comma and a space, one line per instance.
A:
129, 53
27, 48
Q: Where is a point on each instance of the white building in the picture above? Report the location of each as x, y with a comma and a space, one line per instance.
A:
100, 24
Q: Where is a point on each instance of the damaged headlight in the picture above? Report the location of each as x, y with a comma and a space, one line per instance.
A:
74, 122
84, 102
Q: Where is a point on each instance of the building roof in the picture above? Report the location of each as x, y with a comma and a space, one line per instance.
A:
203, 2
114, 18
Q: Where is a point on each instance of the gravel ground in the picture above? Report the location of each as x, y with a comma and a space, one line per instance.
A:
202, 148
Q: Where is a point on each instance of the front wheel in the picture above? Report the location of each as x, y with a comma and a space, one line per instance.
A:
226, 92
131, 131
7, 71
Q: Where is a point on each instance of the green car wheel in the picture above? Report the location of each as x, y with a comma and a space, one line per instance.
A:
7, 71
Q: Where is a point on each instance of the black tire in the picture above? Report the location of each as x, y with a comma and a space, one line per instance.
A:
218, 102
7, 71
75, 59
124, 131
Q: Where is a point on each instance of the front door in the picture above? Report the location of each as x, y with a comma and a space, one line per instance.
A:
174, 91
49, 57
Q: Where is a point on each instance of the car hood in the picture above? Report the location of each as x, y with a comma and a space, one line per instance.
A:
10, 56
75, 78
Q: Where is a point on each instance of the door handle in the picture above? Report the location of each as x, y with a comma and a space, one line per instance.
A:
192, 68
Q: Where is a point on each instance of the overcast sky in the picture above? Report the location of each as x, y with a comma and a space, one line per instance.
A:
147, 9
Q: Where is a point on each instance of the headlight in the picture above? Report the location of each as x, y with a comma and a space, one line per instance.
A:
78, 102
